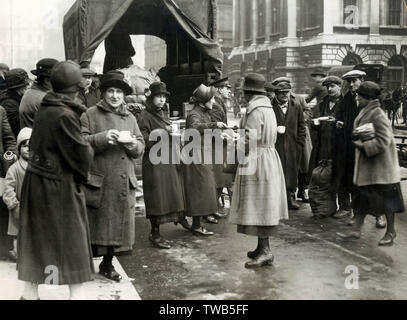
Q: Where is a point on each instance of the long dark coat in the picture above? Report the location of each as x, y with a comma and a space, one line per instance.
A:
162, 185
7, 139
219, 114
343, 151
199, 180
53, 221
10, 101
290, 144
112, 182
322, 135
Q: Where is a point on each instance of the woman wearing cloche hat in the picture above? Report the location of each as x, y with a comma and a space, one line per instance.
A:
162, 184
54, 232
199, 180
259, 198
110, 191
377, 171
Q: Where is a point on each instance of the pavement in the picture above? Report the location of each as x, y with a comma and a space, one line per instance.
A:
98, 289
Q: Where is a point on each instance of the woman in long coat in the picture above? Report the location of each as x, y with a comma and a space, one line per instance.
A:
259, 197
111, 186
377, 170
199, 179
53, 238
162, 185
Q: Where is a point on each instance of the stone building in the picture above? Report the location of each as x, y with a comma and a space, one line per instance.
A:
155, 48
293, 37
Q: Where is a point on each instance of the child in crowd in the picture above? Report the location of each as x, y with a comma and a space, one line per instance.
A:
13, 184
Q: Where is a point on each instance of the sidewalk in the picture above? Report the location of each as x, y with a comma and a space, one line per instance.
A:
99, 289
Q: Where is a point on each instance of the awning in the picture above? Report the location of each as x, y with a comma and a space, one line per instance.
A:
89, 22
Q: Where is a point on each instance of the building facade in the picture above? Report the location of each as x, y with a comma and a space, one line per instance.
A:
293, 37
155, 48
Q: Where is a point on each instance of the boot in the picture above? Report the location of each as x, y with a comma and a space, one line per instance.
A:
264, 256
292, 204
380, 222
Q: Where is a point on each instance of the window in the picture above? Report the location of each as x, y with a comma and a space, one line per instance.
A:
248, 17
261, 18
396, 72
311, 12
350, 12
396, 14
276, 17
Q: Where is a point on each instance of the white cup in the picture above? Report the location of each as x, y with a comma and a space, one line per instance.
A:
316, 122
281, 129
125, 135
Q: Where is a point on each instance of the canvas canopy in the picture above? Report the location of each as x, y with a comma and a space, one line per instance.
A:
89, 22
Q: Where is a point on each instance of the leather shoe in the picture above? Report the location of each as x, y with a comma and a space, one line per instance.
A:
253, 254
109, 272
388, 239
381, 222
211, 219
219, 215
342, 214
184, 223
292, 205
202, 232
265, 259
159, 242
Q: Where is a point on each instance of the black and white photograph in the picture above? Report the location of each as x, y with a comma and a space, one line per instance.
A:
211, 151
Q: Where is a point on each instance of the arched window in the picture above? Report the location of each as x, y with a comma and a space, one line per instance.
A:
351, 59
396, 72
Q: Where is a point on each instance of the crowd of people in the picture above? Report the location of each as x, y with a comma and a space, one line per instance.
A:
70, 182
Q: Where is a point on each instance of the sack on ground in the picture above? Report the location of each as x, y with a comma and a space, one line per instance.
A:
322, 199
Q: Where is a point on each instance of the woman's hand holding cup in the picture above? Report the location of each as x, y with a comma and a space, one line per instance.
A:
281, 129
112, 136
221, 125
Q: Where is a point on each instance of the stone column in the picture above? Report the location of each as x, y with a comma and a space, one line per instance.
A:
292, 18
374, 17
255, 21
242, 22
330, 13
268, 21
235, 23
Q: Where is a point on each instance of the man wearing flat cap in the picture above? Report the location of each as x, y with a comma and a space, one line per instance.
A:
289, 114
303, 180
322, 132
32, 98
319, 91
219, 114
89, 95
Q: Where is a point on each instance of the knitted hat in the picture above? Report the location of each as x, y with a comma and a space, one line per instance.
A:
25, 134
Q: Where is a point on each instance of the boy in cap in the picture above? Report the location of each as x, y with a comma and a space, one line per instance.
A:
32, 98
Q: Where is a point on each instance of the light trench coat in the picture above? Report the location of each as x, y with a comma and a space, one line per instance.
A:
260, 198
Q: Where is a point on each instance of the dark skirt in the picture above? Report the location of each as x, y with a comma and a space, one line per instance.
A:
166, 218
256, 231
378, 199
100, 251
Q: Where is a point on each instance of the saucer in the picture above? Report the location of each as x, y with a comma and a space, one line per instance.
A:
125, 140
